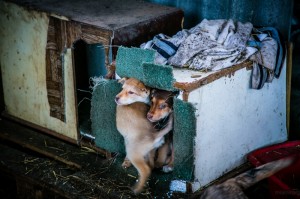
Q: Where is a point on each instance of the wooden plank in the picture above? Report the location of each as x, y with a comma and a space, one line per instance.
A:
56, 43
44, 144
53, 85
105, 14
190, 86
10, 138
136, 34
54, 93
243, 168
289, 84
54, 101
92, 34
73, 33
28, 175
37, 127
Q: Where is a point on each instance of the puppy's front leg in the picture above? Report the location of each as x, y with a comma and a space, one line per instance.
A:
170, 166
144, 172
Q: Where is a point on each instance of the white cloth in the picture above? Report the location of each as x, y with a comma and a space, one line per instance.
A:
214, 44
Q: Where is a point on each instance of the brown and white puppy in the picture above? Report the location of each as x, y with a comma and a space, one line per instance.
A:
161, 107
233, 188
133, 90
139, 134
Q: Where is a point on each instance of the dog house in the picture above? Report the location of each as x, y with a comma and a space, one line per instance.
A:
50, 49
212, 135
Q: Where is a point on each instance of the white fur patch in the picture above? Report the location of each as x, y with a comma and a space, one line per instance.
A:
159, 142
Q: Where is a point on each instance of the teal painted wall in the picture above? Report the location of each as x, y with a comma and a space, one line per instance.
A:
275, 13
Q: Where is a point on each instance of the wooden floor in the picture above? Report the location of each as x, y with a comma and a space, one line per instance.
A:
35, 165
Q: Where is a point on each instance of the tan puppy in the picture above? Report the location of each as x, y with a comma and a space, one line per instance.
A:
161, 108
133, 91
139, 133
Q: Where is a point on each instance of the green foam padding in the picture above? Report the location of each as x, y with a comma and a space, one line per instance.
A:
139, 63
183, 139
103, 116
129, 61
158, 76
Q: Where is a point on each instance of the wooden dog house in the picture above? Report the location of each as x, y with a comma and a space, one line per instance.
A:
43, 65
218, 118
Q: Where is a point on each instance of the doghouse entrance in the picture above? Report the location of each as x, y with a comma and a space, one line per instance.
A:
89, 61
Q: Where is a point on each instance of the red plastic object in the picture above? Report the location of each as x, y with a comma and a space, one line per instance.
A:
286, 183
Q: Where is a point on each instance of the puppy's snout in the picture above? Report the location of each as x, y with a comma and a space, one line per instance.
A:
149, 116
117, 99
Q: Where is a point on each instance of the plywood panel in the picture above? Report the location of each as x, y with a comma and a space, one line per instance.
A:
23, 66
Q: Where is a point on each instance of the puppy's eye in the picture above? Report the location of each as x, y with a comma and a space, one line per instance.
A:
162, 106
130, 92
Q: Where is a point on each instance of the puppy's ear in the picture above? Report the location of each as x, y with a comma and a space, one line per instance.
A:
122, 81
146, 89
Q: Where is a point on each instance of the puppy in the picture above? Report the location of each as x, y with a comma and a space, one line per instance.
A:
133, 90
233, 188
139, 134
161, 107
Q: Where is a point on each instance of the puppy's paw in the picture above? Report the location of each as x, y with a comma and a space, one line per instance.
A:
167, 168
126, 163
137, 189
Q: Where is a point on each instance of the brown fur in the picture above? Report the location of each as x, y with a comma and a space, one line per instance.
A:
165, 155
233, 188
139, 133
161, 107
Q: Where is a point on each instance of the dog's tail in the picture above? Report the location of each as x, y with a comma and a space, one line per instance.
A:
160, 134
253, 176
